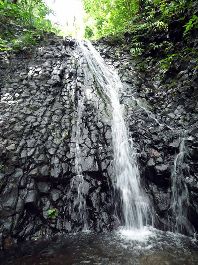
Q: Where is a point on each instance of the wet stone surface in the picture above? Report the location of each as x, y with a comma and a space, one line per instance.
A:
105, 248
160, 111
38, 125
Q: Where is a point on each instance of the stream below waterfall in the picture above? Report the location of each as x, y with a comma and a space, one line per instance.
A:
159, 248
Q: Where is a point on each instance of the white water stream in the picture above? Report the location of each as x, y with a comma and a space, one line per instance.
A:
127, 177
180, 195
81, 200
78, 181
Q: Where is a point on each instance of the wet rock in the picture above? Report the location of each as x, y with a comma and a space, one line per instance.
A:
24, 154
69, 42
1, 241
158, 174
88, 164
162, 169
9, 198
33, 172
171, 115
154, 153
8, 243
18, 173
43, 187
162, 199
31, 198
11, 147
44, 171
175, 144
56, 171
55, 194
151, 162
52, 151
159, 160
2, 176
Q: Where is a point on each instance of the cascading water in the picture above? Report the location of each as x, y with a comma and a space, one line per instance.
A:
180, 195
81, 201
127, 177
78, 182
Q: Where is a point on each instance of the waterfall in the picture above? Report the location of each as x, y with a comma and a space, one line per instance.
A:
127, 177
78, 182
180, 195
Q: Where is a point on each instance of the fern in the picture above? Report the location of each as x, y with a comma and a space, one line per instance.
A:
192, 24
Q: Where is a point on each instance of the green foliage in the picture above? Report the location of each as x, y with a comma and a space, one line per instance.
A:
23, 23
158, 29
161, 31
166, 62
136, 50
4, 45
52, 213
192, 24
172, 8
112, 17
179, 10
107, 17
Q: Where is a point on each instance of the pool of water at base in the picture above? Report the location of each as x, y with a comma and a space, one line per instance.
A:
150, 247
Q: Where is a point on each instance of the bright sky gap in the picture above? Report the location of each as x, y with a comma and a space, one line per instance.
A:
68, 15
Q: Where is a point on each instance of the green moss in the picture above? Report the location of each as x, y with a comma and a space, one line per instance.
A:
52, 213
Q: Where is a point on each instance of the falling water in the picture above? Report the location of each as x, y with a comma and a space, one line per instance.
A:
180, 196
127, 177
150, 114
78, 182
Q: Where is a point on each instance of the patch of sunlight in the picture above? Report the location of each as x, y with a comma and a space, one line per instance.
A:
68, 16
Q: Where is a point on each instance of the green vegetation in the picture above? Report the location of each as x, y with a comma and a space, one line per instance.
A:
52, 213
114, 17
108, 17
191, 24
23, 23
161, 29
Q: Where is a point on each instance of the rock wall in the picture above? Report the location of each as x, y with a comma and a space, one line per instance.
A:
55, 123
40, 98
161, 110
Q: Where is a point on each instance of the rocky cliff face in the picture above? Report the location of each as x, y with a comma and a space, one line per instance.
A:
161, 110
40, 100
51, 108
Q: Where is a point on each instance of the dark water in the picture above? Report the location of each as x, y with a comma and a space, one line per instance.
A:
106, 249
